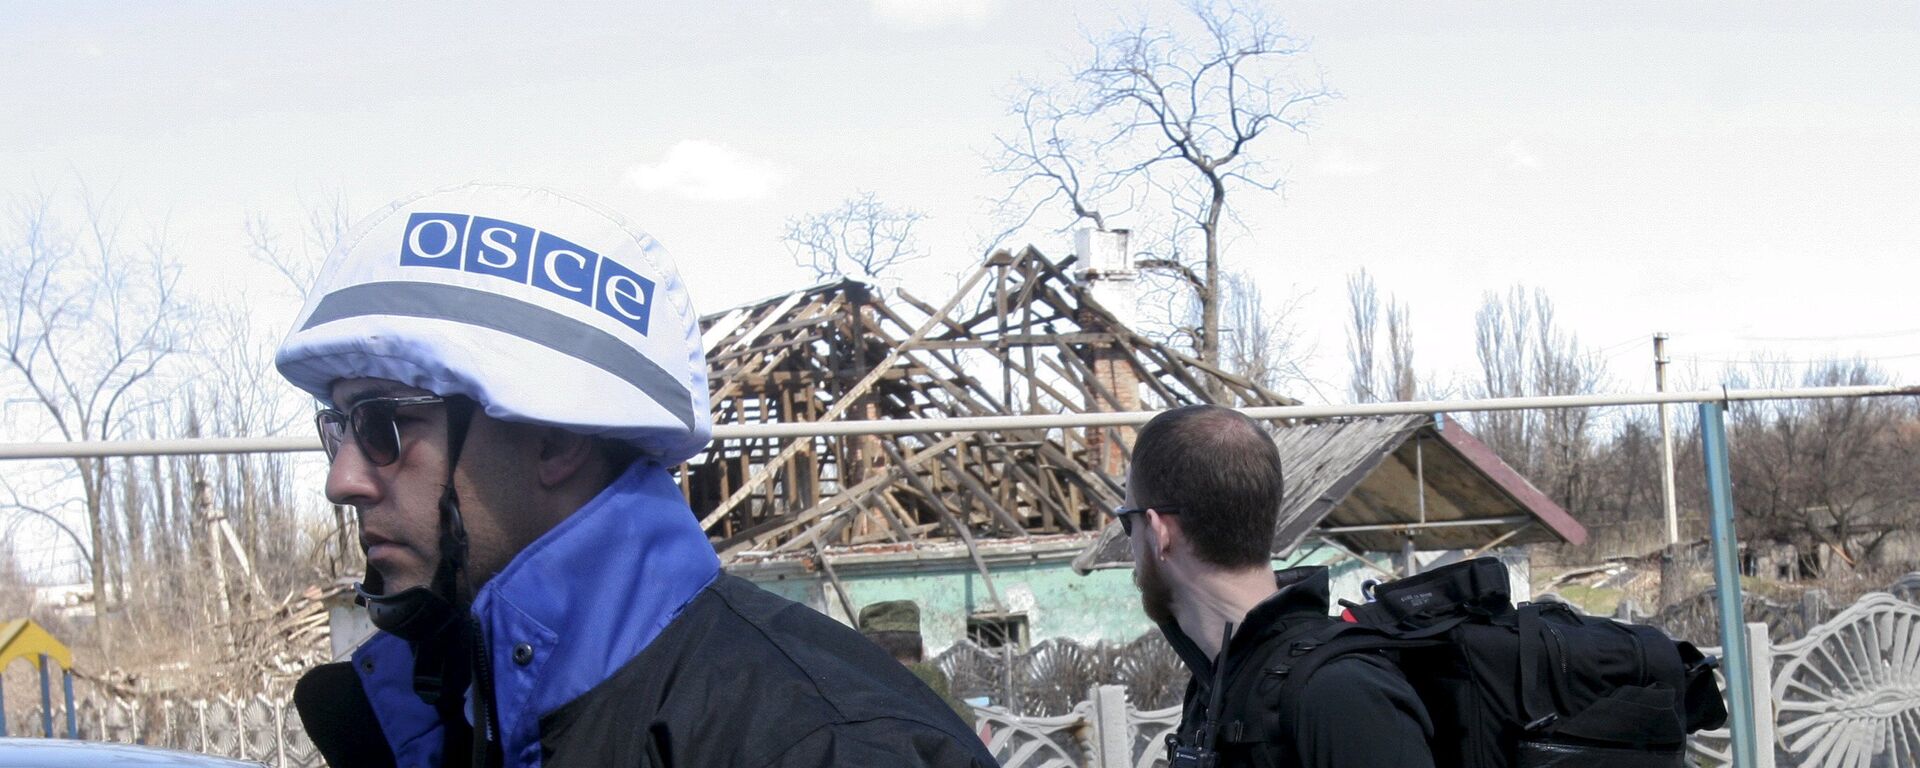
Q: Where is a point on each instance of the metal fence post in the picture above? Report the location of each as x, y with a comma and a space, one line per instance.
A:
73, 725
46, 699
1726, 578
1761, 648
1112, 738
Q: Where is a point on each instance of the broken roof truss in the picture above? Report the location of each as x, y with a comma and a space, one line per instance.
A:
1021, 335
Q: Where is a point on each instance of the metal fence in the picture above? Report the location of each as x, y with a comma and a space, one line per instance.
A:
264, 728
1846, 693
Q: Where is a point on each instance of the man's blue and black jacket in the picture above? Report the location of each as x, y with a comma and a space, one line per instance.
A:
616, 640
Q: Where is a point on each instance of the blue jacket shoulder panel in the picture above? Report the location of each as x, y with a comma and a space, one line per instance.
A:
565, 613
384, 664
578, 603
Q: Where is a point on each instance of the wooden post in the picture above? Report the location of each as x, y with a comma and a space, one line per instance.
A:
1760, 648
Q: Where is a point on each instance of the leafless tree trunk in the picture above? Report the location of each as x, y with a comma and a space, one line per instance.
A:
1523, 353
1163, 110
1261, 345
85, 324
1369, 381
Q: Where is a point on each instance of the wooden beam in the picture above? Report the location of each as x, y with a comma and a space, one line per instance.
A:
959, 528
1020, 340
985, 496
853, 494
844, 402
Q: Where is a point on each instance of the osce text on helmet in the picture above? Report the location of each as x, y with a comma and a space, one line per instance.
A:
529, 256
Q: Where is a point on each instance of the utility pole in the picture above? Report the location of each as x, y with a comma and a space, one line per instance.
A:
1670, 576
1666, 441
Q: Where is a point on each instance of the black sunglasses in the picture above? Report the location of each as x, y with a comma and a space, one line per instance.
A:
1125, 515
371, 422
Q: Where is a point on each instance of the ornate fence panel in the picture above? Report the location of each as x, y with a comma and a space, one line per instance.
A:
1846, 694
1054, 676
1849, 693
1150, 728
263, 728
1039, 742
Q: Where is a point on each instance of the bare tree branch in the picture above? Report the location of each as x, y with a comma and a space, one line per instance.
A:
862, 238
1167, 108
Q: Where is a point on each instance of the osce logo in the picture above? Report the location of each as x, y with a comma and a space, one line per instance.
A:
528, 256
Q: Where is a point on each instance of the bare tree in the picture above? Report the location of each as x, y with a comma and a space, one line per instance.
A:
1835, 478
862, 238
86, 322
1371, 379
298, 259
1262, 345
1159, 112
1524, 353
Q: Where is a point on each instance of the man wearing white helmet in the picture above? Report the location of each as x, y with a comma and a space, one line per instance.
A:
511, 373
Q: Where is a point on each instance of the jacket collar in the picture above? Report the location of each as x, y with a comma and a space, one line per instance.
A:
594, 591
1303, 592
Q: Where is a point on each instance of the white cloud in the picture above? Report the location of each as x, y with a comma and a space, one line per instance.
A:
934, 13
1518, 155
702, 170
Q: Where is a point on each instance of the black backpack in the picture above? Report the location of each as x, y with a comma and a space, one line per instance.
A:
1536, 686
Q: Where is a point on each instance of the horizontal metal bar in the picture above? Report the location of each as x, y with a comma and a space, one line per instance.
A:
186, 446
205, 445
1338, 529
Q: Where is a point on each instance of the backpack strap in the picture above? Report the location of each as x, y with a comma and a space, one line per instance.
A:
1290, 663
1537, 707
1242, 718
1348, 640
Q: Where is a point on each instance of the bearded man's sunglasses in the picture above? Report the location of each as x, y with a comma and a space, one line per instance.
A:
371, 422
1125, 515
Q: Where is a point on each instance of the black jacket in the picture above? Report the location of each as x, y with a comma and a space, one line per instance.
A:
1356, 712
747, 678
615, 640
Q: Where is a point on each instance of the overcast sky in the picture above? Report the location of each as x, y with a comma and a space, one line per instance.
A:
1741, 177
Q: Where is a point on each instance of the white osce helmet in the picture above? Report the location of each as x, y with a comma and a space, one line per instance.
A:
540, 307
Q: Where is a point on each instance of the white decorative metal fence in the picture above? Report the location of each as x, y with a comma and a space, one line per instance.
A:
263, 728
1846, 694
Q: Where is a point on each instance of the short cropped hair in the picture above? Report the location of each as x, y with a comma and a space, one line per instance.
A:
1222, 471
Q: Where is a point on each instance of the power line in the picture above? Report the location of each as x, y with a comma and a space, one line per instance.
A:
1614, 350
1814, 361
1836, 337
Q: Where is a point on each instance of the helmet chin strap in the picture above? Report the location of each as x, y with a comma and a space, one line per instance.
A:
429, 616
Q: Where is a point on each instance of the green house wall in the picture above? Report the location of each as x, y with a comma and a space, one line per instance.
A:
1102, 606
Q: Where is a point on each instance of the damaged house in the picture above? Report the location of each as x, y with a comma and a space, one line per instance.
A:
1001, 535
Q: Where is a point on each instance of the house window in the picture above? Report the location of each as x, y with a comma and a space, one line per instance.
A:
998, 630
